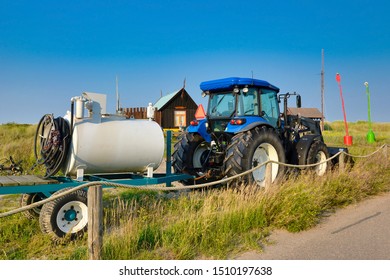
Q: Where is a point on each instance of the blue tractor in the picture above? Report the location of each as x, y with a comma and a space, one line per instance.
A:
243, 127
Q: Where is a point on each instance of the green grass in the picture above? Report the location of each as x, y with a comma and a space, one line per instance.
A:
334, 135
17, 140
213, 224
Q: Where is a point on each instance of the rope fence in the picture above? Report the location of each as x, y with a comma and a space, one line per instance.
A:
179, 188
95, 189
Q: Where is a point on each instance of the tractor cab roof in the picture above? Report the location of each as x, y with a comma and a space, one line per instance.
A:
230, 83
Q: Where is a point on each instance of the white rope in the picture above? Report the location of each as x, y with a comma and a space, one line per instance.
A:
153, 188
369, 155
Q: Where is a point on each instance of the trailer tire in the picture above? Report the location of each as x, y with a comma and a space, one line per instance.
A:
189, 154
30, 198
66, 216
319, 152
251, 148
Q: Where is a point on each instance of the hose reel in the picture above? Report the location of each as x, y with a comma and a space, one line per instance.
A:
51, 143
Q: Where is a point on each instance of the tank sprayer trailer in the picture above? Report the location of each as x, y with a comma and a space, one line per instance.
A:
244, 127
89, 145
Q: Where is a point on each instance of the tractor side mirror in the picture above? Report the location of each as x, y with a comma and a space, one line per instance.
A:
299, 101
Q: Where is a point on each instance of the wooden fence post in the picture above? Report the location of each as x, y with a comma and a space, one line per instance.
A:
268, 175
95, 222
341, 162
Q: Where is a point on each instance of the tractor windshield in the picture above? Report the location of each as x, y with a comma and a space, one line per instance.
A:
221, 105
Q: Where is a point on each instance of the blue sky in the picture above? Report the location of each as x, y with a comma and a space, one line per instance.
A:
51, 51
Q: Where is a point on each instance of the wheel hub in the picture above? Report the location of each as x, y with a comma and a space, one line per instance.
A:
263, 153
70, 215
200, 155
321, 169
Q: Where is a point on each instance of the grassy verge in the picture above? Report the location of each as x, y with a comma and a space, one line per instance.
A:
220, 223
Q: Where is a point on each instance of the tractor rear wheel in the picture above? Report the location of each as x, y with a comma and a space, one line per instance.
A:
252, 148
318, 152
190, 155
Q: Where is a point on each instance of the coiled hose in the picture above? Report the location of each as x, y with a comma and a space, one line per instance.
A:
51, 143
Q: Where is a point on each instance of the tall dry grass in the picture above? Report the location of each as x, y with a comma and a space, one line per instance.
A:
219, 223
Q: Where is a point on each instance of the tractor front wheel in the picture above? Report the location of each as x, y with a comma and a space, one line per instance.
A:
318, 152
250, 149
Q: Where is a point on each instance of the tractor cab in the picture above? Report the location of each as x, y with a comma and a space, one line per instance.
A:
238, 104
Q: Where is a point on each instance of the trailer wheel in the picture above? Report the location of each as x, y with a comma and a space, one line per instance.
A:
251, 148
190, 153
65, 216
318, 152
30, 198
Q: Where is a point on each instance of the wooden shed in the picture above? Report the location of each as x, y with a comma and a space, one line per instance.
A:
312, 113
177, 109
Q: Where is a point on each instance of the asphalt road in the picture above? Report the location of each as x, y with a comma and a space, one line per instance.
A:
357, 232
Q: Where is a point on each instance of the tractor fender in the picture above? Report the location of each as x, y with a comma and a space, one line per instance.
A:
253, 125
201, 129
303, 146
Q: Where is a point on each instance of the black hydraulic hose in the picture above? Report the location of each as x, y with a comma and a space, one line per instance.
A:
286, 124
51, 143
43, 125
71, 117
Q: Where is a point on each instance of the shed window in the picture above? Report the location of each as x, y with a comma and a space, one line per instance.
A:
180, 118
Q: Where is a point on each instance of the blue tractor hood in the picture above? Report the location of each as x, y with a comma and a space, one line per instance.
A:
230, 83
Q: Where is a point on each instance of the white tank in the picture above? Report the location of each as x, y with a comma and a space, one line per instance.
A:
112, 144
115, 146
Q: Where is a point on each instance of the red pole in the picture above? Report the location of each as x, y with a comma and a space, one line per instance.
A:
347, 138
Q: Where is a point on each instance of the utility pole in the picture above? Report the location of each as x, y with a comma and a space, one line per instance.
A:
117, 95
322, 91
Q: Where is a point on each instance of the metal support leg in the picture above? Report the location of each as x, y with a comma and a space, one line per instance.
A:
168, 159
